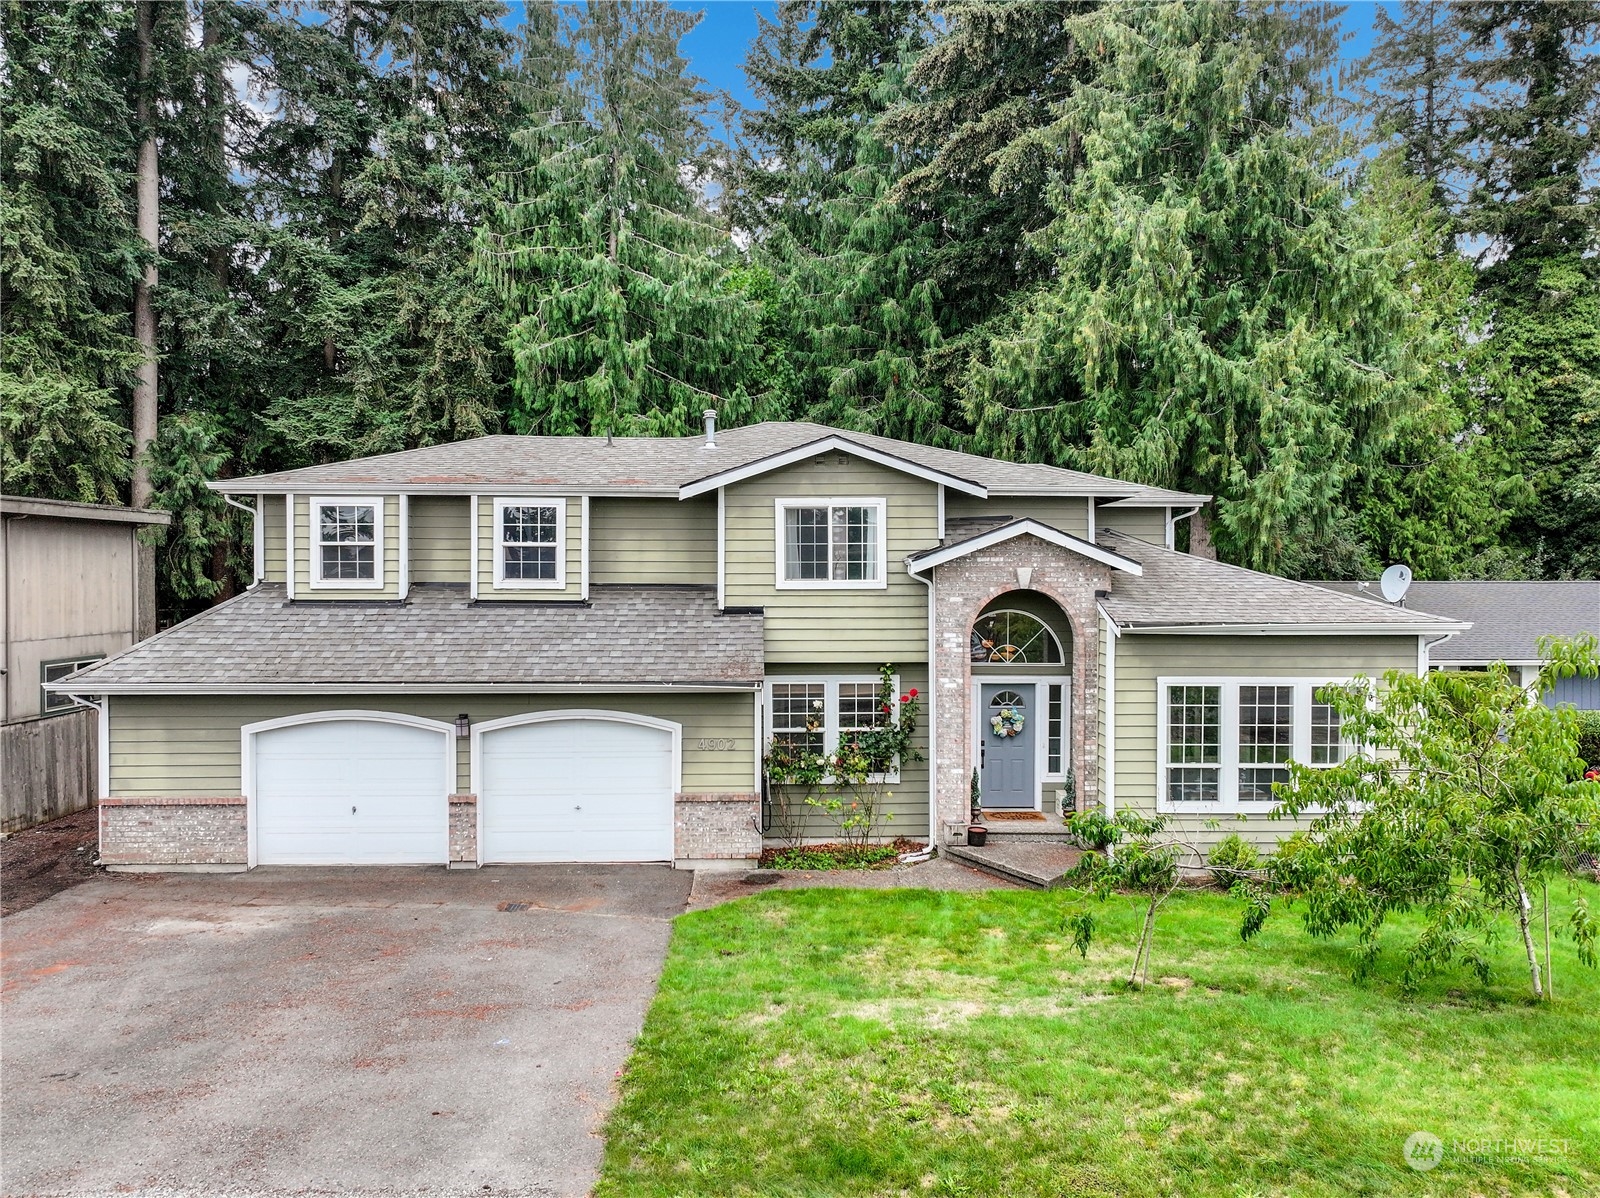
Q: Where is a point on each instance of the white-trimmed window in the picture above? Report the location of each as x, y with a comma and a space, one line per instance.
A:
55, 671
347, 543
530, 543
831, 543
1224, 742
812, 714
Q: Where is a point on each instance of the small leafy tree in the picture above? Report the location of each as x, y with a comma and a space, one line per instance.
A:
1126, 853
1466, 801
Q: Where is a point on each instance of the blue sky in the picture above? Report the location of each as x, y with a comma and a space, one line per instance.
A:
718, 44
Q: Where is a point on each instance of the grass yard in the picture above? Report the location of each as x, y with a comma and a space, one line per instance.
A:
837, 1042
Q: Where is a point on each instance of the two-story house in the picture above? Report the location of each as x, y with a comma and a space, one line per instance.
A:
577, 649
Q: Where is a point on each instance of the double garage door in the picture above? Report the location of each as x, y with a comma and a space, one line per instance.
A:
362, 791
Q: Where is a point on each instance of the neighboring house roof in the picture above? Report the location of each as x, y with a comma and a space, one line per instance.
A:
62, 509
1180, 593
665, 466
1508, 618
625, 637
982, 538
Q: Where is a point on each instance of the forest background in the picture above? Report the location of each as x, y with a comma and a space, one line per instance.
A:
1195, 245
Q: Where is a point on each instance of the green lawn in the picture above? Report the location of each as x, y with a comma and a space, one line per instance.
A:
837, 1042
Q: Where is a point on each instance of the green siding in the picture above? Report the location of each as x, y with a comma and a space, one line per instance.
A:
301, 527
1065, 513
1143, 659
858, 626
1146, 523
653, 541
574, 576
441, 538
273, 508
190, 746
907, 799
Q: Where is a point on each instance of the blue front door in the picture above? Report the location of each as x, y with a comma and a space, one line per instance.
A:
1007, 754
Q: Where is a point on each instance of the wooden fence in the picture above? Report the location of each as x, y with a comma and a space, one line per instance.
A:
48, 768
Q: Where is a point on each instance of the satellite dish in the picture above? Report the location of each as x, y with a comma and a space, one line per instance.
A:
1396, 581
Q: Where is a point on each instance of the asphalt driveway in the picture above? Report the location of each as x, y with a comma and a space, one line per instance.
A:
372, 1031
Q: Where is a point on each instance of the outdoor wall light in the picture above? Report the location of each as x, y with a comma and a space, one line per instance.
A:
463, 726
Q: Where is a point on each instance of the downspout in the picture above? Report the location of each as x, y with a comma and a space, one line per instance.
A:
1108, 751
1172, 524
255, 534
933, 714
102, 782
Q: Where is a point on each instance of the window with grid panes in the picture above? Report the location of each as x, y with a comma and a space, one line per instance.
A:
1266, 740
1194, 743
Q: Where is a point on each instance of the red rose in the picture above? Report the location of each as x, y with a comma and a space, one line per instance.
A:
913, 692
905, 698
886, 707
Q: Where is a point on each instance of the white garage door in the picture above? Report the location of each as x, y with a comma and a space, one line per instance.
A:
351, 792
578, 789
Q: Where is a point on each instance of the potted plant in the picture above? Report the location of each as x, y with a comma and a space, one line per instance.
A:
977, 834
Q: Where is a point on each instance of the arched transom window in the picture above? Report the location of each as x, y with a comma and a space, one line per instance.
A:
1014, 638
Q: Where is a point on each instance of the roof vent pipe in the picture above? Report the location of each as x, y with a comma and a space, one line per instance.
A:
711, 428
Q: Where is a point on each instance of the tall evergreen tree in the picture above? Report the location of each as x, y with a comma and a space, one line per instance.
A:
620, 316
811, 185
1216, 317
1535, 131
391, 121
978, 106
68, 250
1413, 89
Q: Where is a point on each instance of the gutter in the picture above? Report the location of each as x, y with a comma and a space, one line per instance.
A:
421, 688
1362, 629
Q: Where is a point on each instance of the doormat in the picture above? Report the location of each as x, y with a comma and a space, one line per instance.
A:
1029, 815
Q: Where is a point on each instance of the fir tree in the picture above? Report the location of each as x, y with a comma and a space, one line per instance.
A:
68, 251
811, 185
620, 316
1216, 318
977, 106
1413, 90
1535, 131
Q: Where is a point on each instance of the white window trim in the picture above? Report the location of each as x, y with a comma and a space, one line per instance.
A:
830, 713
780, 506
559, 582
1228, 801
314, 544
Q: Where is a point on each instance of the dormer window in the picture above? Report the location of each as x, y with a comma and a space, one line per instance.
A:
530, 548
347, 540
830, 543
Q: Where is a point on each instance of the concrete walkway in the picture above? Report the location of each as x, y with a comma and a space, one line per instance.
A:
941, 873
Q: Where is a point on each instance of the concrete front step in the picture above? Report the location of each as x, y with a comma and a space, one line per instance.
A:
1030, 861
1048, 829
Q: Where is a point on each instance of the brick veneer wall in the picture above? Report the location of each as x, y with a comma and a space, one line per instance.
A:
464, 828
174, 831
966, 586
718, 827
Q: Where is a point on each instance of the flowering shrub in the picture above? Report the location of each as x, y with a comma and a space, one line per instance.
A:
841, 782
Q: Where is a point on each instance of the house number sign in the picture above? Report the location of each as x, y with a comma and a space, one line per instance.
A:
715, 744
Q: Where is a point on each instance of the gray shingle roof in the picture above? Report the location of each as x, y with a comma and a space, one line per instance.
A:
439, 640
1177, 590
651, 465
1508, 618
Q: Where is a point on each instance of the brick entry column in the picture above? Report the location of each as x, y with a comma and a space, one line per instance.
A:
966, 586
